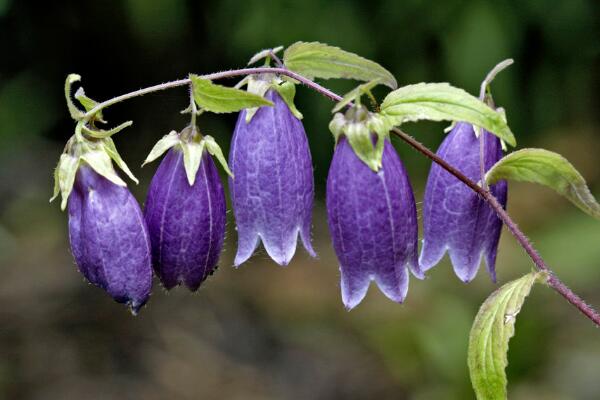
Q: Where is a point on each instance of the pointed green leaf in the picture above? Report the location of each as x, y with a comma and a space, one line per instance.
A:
111, 149
192, 155
65, 175
355, 94
101, 134
318, 60
56, 190
287, 91
215, 150
88, 103
100, 161
442, 102
76, 114
164, 144
549, 169
493, 327
264, 54
222, 99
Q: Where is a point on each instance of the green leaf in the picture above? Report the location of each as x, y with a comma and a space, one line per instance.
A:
493, 327
88, 103
192, 156
318, 60
442, 102
264, 54
100, 161
549, 169
215, 150
222, 99
359, 127
355, 94
287, 91
111, 150
64, 176
102, 134
164, 144
76, 114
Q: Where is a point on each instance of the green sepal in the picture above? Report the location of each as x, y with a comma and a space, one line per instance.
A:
319, 60
111, 150
549, 169
442, 102
64, 178
492, 329
192, 156
89, 104
222, 99
360, 127
101, 162
215, 150
287, 91
261, 84
355, 94
264, 54
103, 134
76, 113
164, 144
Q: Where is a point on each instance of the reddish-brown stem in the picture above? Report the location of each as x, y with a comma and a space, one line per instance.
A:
552, 279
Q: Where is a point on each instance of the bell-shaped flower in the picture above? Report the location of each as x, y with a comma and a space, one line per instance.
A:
371, 209
185, 209
109, 238
272, 192
455, 218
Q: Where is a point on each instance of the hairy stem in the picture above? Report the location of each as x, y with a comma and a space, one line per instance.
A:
483, 192
215, 76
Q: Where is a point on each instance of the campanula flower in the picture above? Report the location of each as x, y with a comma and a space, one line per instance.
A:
109, 238
371, 214
455, 218
185, 211
272, 192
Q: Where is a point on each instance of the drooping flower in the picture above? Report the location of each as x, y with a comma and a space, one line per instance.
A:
109, 238
185, 210
454, 217
371, 211
272, 193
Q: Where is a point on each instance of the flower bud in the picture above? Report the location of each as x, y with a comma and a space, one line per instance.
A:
373, 223
454, 217
109, 238
186, 218
272, 193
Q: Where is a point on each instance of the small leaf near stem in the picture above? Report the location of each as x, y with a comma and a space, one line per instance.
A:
223, 99
485, 95
75, 112
264, 54
549, 169
492, 329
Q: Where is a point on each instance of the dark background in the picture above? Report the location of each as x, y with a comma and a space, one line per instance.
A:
265, 332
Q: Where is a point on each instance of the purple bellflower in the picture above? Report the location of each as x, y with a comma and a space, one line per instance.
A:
272, 192
185, 211
372, 216
109, 238
454, 217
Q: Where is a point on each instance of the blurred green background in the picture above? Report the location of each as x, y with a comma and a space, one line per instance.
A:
265, 332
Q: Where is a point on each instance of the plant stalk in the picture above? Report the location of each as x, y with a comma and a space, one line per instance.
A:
553, 281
